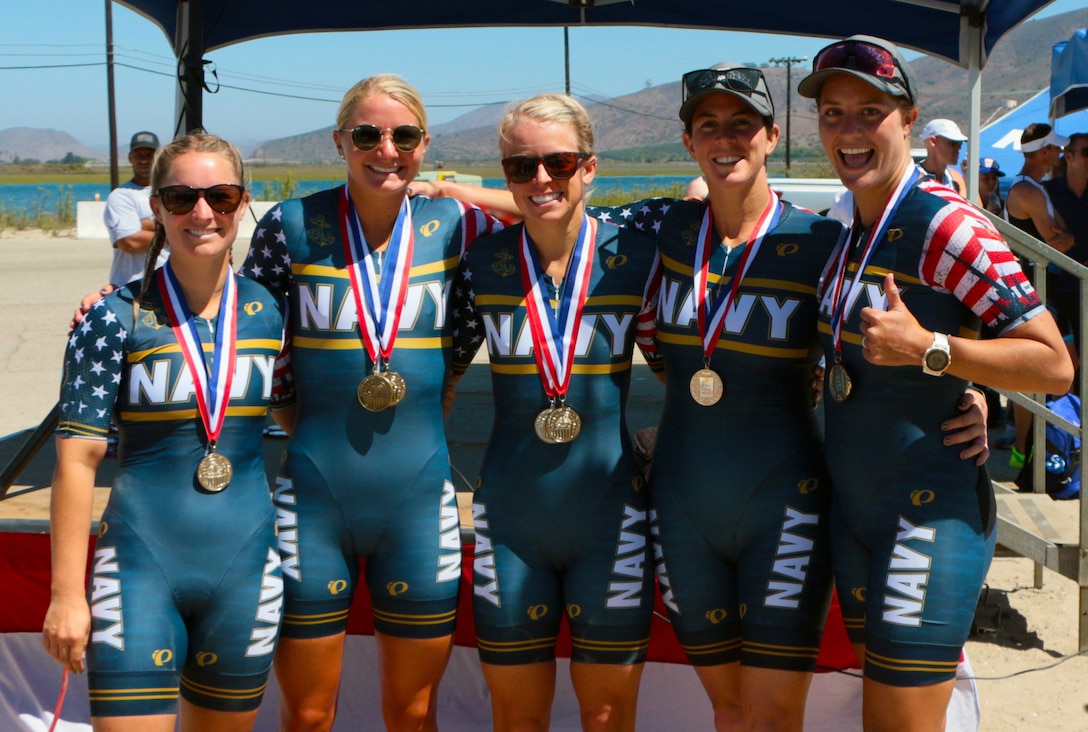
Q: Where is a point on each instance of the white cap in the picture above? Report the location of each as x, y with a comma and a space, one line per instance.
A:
945, 128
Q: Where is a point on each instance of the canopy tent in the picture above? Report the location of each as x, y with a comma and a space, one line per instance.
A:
1000, 139
1069, 75
961, 31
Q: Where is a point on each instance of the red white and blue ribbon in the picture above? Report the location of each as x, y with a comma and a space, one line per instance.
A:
212, 385
843, 306
712, 313
379, 296
555, 334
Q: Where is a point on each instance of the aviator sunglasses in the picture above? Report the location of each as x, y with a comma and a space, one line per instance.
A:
224, 198
406, 138
863, 57
560, 166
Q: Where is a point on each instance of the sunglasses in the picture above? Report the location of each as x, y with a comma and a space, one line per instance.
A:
863, 57
224, 198
1075, 151
746, 81
406, 138
560, 166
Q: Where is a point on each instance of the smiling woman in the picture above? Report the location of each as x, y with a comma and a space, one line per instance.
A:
367, 402
190, 475
929, 272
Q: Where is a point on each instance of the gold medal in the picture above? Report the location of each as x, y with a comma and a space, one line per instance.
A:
540, 425
375, 393
839, 382
214, 472
563, 425
706, 387
397, 383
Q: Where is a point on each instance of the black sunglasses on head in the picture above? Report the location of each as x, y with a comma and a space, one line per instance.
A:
406, 138
224, 198
741, 79
559, 165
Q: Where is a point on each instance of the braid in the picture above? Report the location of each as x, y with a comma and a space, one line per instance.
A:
158, 241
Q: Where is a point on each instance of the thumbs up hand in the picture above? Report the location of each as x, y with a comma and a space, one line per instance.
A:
893, 336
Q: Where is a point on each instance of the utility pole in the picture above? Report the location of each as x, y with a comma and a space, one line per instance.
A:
788, 61
111, 103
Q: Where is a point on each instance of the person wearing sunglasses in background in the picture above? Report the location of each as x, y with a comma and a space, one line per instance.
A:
367, 474
186, 592
737, 394
902, 303
561, 507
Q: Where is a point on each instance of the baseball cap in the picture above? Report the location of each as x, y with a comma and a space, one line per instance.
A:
945, 128
1039, 135
989, 165
745, 83
144, 139
871, 59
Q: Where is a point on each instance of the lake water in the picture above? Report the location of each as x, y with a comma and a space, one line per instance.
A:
44, 197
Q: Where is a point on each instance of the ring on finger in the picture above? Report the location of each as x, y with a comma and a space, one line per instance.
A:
864, 343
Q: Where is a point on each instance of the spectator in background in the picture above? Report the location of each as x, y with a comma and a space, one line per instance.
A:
1028, 208
943, 140
1069, 197
989, 170
128, 213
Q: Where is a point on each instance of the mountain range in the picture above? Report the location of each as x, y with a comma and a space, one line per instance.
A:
625, 126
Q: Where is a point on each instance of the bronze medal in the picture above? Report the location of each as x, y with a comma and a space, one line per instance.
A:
540, 425
398, 385
706, 387
214, 472
375, 393
839, 382
563, 426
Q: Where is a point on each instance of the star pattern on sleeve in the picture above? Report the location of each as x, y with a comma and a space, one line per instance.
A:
646, 215
94, 359
269, 260
466, 330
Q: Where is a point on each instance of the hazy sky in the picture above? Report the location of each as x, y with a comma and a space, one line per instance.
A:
455, 70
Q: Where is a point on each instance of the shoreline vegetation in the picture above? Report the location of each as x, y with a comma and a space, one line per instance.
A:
56, 215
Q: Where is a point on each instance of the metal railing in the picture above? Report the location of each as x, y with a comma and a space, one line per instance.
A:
1069, 560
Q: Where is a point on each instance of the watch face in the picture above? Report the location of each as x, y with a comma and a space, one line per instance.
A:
937, 360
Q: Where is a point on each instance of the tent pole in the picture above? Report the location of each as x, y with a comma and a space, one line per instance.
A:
974, 33
189, 47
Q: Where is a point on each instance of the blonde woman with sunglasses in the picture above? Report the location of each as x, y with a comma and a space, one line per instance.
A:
186, 592
366, 475
561, 508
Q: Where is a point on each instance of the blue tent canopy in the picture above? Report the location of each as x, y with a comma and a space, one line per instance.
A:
961, 31
936, 27
1069, 75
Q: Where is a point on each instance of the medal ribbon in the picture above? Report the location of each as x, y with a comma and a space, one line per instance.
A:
712, 314
212, 389
554, 344
840, 312
379, 297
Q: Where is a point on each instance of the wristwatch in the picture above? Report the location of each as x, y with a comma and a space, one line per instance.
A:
938, 357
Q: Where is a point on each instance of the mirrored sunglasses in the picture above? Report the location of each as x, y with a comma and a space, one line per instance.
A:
224, 198
559, 165
406, 138
863, 57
